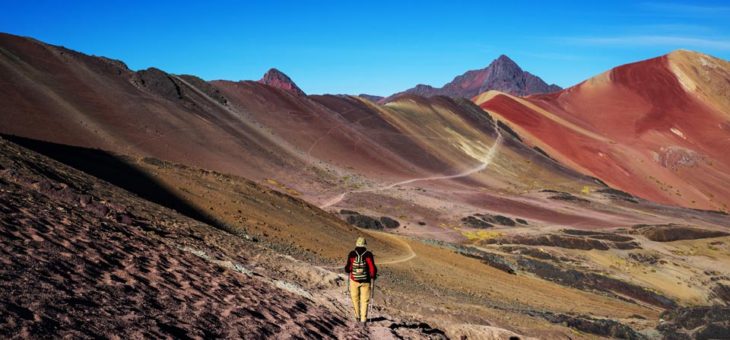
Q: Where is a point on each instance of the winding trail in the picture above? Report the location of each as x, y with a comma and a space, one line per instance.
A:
411, 254
488, 158
393, 260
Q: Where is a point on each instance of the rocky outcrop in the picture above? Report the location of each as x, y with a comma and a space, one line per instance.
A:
389, 222
592, 282
364, 221
368, 222
475, 222
564, 196
584, 323
483, 221
645, 258
497, 219
566, 241
276, 78
675, 232
598, 235
503, 74
537, 253
405, 330
618, 195
696, 323
159, 83
721, 291
361, 221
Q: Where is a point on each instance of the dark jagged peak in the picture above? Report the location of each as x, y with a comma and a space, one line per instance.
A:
505, 61
502, 74
280, 80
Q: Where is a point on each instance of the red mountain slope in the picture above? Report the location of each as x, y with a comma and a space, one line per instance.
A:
656, 128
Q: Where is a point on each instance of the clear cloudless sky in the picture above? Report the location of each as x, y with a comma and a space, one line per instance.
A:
375, 47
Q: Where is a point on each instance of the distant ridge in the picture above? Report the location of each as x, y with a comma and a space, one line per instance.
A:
502, 74
370, 97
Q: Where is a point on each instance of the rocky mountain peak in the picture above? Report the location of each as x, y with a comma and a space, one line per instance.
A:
502, 74
504, 60
278, 79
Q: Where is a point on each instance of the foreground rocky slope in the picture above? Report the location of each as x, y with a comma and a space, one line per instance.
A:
82, 258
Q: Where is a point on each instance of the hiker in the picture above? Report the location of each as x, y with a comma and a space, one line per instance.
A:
361, 267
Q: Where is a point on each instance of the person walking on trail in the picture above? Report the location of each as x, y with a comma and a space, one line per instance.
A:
361, 267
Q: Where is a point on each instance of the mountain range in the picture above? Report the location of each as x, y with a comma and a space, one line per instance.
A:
141, 188
502, 74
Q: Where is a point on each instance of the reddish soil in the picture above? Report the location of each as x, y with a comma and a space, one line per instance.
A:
647, 133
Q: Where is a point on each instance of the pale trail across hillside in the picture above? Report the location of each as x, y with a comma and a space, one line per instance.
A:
488, 158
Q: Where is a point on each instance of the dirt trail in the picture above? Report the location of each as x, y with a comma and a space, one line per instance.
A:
488, 158
411, 254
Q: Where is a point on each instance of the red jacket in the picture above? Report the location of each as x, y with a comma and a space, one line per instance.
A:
367, 257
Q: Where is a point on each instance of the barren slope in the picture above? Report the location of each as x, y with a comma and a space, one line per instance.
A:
656, 128
55, 94
82, 258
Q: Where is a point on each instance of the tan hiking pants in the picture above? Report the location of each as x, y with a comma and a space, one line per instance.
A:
360, 293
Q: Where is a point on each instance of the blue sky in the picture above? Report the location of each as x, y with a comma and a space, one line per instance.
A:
376, 47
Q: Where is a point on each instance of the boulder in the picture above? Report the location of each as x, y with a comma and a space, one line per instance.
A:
389, 222
364, 221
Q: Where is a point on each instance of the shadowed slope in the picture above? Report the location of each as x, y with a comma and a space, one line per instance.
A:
52, 93
84, 259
